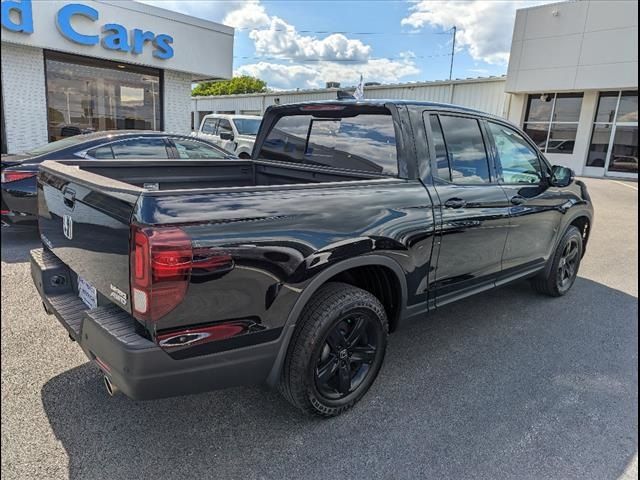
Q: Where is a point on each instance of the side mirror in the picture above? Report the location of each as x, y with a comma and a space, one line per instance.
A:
226, 136
562, 176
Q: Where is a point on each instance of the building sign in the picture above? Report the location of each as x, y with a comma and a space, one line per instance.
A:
17, 16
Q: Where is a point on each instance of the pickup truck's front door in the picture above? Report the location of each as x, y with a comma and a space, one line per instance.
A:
535, 207
473, 208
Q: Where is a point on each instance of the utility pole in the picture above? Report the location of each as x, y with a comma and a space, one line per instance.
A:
453, 51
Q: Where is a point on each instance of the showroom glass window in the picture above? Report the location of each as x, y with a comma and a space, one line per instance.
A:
87, 95
614, 139
552, 120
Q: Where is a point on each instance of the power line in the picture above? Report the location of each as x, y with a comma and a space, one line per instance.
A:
263, 57
265, 28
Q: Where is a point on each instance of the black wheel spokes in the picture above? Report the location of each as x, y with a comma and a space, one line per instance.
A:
568, 263
350, 356
327, 371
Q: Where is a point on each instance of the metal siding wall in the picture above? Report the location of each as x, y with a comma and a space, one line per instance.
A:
488, 96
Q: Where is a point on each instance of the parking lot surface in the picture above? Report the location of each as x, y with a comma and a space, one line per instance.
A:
509, 384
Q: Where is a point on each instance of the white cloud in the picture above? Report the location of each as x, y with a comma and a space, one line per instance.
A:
214, 11
282, 39
286, 76
250, 14
484, 27
312, 61
294, 59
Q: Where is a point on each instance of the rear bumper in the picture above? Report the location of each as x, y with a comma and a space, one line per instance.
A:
136, 365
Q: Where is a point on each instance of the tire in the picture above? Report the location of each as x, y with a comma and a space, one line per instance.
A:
244, 156
323, 373
564, 270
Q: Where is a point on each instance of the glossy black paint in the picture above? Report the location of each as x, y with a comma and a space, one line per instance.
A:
434, 242
18, 198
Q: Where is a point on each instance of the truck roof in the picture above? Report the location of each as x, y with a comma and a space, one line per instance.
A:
380, 102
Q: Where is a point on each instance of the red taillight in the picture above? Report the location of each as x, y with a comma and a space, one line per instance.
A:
14, 176
162, 261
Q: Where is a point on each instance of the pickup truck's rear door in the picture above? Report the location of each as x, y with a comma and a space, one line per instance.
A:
84, 220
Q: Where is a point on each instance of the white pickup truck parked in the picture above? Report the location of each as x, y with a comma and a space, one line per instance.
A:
234, 133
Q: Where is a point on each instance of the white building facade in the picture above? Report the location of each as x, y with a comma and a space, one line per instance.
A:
573, 80
71, 67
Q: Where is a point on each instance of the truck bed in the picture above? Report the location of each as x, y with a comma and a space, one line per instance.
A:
199, 174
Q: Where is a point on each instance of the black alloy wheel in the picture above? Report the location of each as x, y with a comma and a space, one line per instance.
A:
561, 273
568, 264
346, 356
336, 350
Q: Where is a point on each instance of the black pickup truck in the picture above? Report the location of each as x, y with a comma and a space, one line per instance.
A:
293, 267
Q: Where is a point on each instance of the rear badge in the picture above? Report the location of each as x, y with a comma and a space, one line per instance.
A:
67, 226
118, 295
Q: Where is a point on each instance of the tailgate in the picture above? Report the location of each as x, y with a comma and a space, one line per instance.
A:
84, 220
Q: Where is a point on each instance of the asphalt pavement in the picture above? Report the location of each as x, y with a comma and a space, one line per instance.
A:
508, 384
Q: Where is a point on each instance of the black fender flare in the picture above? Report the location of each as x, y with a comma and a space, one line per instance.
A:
561, 231
315, 284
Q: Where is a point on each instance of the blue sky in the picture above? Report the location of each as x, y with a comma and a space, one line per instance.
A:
303, 44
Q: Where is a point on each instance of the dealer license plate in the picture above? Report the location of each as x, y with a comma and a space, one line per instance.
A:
87, 293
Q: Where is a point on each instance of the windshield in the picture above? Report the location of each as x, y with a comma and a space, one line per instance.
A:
247, 126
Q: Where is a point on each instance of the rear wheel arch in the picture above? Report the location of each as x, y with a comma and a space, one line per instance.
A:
339, 272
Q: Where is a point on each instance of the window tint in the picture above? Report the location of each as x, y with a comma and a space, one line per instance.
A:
365, 142
140, 148
209, 126
466, 150
101, 152
628, 109
552, 120
518, 161
195, 150
224, 126
442, 163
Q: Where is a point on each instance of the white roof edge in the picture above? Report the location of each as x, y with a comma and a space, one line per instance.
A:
547, 5
502, 78
169, 15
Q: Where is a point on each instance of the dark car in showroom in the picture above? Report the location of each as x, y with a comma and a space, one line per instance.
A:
18, 177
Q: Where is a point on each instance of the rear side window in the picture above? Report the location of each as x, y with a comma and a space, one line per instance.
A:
365, 142
442, 162
209, 126
195, 150
101, 153
466, 152
140, 148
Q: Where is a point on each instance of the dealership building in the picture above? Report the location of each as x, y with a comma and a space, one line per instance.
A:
82, 66
571, 83
70, 67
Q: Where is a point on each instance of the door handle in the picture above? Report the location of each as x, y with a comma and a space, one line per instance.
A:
455, 203
518, 200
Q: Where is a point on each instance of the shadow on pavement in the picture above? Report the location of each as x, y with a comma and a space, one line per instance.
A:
16, 243
509, 384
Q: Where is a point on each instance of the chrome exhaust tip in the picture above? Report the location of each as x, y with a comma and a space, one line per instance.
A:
112, 388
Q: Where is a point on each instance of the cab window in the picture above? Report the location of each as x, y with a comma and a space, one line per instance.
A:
461, 154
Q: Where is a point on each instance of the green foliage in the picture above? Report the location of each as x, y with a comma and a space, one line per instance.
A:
235, 86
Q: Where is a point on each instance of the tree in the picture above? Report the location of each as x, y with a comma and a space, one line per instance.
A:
235, 86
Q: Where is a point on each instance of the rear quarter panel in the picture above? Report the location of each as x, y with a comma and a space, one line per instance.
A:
281, 240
